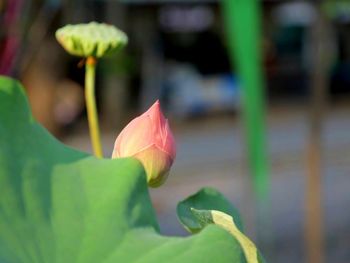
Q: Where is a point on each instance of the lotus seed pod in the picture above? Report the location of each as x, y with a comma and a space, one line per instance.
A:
92, 39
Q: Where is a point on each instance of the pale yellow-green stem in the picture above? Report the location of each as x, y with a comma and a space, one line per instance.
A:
91, 105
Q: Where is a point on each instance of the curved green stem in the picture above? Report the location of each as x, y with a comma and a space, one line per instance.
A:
91, 105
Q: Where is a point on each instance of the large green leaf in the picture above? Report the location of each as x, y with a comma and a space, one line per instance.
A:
61, 205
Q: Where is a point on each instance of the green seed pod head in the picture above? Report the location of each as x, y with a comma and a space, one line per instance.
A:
92, 39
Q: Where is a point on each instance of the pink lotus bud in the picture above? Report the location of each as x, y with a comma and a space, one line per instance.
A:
149, 139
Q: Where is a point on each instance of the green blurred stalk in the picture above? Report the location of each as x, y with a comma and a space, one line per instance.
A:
242, 18
91, 105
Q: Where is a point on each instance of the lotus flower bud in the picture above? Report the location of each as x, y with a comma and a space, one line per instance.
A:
149, 139
92, 39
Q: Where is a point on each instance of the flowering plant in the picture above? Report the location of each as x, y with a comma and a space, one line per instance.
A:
58, 204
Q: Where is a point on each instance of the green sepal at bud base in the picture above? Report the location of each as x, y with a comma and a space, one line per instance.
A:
92, 39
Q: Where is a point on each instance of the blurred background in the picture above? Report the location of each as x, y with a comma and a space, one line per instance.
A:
278, 147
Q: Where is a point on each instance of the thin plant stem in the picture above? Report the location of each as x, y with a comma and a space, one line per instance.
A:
91, 105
